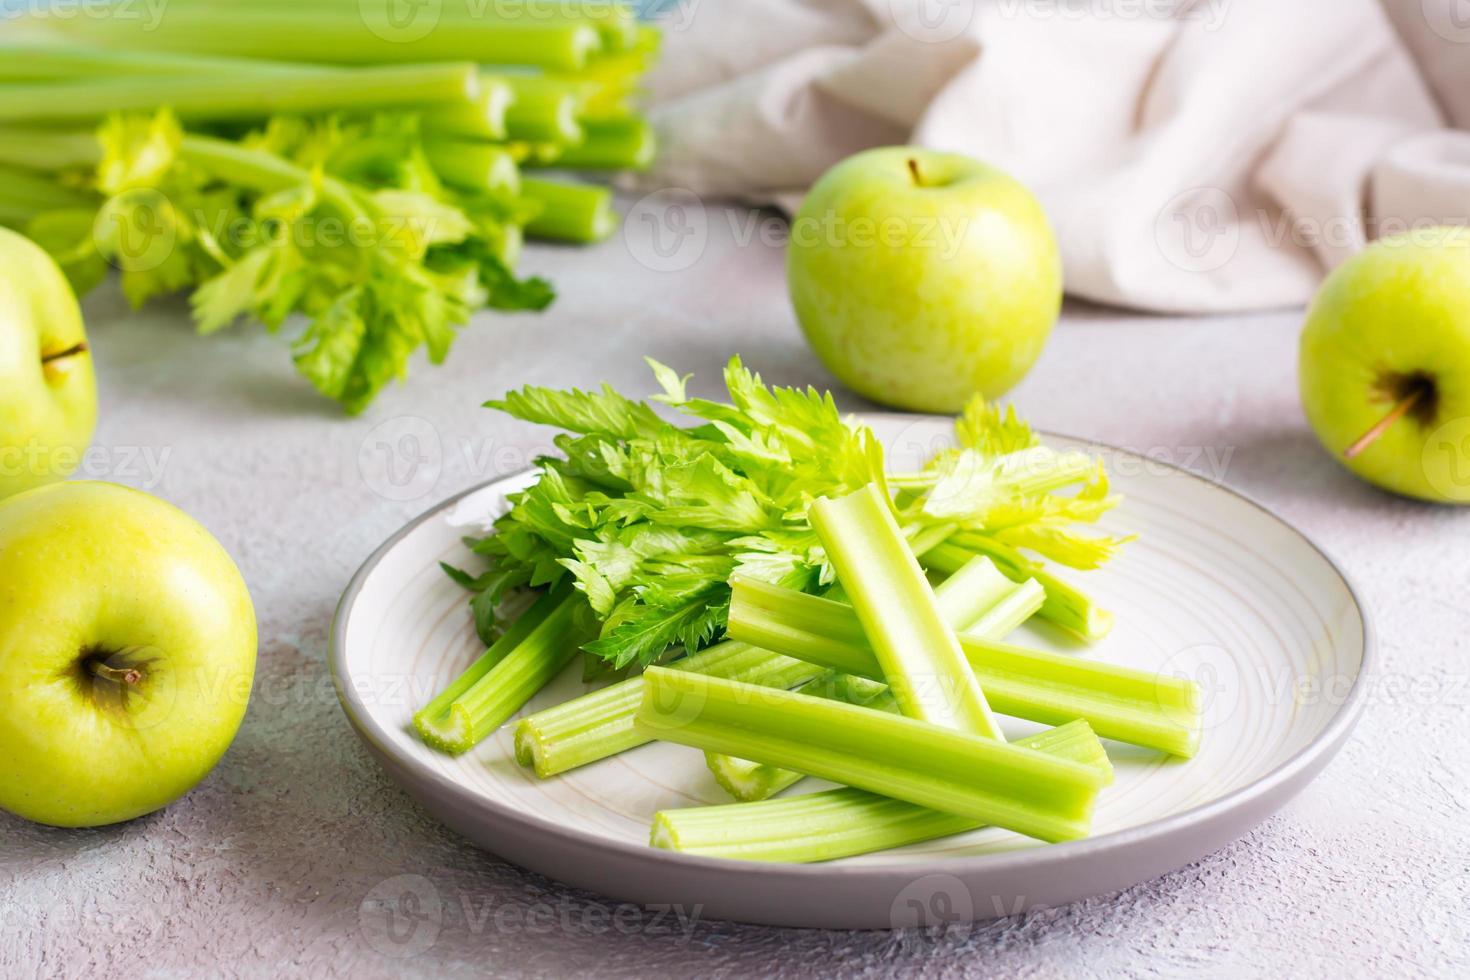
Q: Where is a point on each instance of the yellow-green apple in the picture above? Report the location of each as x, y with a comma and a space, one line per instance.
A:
48, 397
921, 278
1385, 364
127, 649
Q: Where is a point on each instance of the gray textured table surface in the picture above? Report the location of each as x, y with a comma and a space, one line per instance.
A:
263, 870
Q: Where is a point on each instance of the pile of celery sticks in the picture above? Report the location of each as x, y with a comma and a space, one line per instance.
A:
758, 587
323, 157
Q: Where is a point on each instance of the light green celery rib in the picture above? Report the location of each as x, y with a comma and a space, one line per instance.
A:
975, 596
749, 781
343, 36
482, 116
472, 165
916, 649
543, 110
432, 720
48, 150
42, 61
971, 775
600, 724
509, 683
1136, 706
612, 144
840, 822
241, 97
1066, 605
569, 212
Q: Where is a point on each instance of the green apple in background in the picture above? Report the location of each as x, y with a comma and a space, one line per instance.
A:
48, 397
1385, 364
921, 278
127, 649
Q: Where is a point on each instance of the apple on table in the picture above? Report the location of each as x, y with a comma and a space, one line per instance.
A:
48, 396
921, 278
127, 649
1385, 364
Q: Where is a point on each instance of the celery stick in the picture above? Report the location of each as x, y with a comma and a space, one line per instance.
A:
505, 688
570, 212
32, 61
480, 117
1066, 605
48, 150
748, 781
957, 772
242, 96
618, 144
1135, 706
616, 21
542, 111
600, 724
432, 719
472, 165
341, 37
917, 650
839, 822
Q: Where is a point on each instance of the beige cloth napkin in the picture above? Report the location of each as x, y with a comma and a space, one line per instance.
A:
1198, 156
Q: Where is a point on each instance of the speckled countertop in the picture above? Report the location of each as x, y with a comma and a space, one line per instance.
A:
266, 868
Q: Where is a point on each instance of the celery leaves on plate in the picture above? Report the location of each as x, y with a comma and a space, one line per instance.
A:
653, 520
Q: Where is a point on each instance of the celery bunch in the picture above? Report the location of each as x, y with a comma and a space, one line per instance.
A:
302, 158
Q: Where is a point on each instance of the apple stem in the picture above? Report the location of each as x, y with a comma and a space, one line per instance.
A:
72, 351
118, 675
1405, 404
914, 169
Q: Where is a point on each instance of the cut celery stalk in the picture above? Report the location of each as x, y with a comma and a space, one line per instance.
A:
472, 165
47, 150
481, 117
1141, 707
510, 682
957, 772
600, 724
1066, 605
340, 37
917, 650
431, 720
748, 781
40, 61
840, 822
569, 212
610, 144
543, 111
241, 96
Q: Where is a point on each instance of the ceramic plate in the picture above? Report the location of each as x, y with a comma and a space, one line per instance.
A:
1216, 588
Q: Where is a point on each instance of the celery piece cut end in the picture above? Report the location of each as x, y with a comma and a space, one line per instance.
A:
528, 747
662, 834
442, 732
748, 781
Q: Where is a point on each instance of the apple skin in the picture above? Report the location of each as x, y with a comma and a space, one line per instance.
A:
920, 292
47, 409
1397, 311
97, 570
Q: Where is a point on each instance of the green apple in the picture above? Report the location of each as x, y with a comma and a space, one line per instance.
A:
1385, 364
48, 397
921, 278
127, 649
